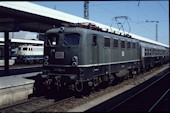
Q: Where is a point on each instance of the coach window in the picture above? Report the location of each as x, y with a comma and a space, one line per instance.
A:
115, 43
145, 52
107, 42
19, 48
25, 48
122, 44
94, 40
155, 51
1, 53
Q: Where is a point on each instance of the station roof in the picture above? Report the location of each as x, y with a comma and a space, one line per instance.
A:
27, 16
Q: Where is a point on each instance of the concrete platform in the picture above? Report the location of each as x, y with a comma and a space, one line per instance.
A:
27, 75
104, 98
13, 89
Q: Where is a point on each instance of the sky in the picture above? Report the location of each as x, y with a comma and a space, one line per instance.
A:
137, 13
104, 12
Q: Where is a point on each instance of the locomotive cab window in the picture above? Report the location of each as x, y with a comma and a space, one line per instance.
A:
52, 39
72, 39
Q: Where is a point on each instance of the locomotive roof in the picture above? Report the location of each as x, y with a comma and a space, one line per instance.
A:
107, 34
140, 38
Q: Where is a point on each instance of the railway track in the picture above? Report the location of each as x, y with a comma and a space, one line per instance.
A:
162, 104
145, 99
43, 104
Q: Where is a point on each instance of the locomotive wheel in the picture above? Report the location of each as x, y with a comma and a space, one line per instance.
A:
85, 91
79, 86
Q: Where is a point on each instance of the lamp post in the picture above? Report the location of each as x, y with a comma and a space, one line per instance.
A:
156, 28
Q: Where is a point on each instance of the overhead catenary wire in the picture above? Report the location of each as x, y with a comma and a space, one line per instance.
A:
145, 27
162, 7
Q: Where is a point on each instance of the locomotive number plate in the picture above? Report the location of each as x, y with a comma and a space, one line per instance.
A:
59, 55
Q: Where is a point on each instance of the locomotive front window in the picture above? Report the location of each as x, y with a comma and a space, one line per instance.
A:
72, 39
52, 39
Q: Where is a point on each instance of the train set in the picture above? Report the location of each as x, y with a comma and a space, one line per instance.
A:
23, 54
29, 54
80, 56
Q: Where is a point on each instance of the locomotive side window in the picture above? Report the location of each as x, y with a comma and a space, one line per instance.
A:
134, 45
128, 45
115, 43
52, 39
94, 40
107, 42
122, 44
72, 39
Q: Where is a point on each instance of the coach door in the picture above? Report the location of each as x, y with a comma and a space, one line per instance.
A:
95, 50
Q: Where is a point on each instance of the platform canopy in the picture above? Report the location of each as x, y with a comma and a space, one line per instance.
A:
15, 16
26, 16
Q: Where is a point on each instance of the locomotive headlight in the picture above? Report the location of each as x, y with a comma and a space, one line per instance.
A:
75, 59
46, 58
74, 64
45, 63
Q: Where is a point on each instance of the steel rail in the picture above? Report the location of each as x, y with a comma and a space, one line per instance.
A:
157, 102
139, 91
